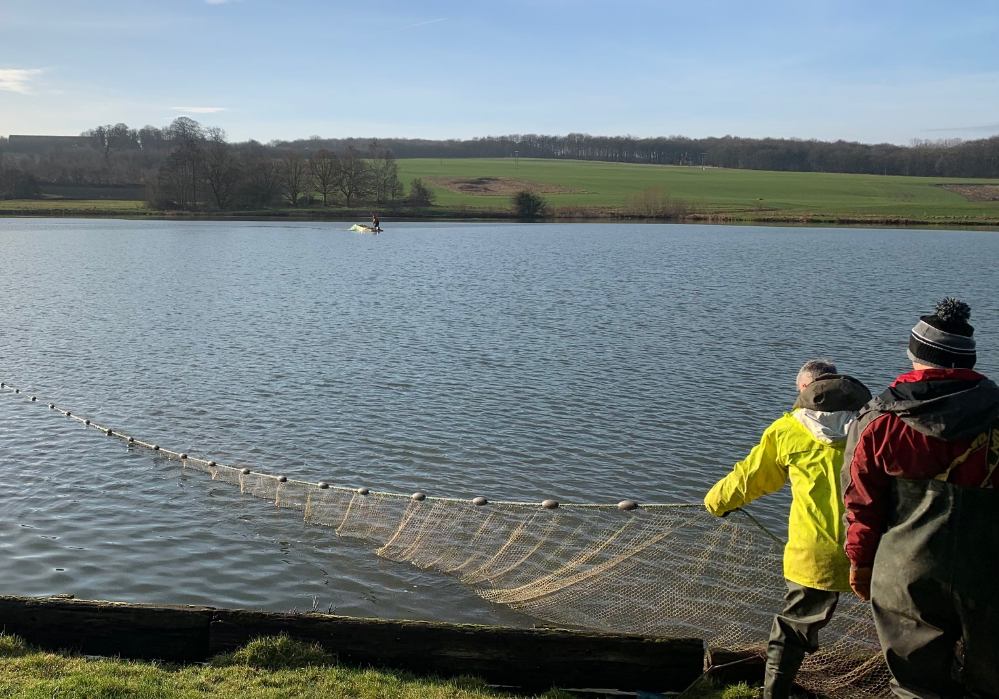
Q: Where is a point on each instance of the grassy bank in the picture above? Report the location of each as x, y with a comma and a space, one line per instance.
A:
269, 667
586, 187
482, 188
74, 207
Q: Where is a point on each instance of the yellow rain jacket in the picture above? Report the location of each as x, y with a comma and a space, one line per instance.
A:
805, 446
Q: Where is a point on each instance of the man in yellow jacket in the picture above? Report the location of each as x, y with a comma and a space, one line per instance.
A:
805, 446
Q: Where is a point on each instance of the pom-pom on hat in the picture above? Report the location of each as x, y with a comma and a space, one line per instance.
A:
944, 339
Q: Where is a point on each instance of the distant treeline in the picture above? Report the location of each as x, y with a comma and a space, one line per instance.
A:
191, 166
951, 158
188, 166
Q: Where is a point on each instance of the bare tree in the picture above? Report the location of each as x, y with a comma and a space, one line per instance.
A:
261, 182
355, 176
221, 169
386, 184
294, 179
15, 184
420, 194
123, 138
150, 138
325, 170
184, 129
187, 157
176, 183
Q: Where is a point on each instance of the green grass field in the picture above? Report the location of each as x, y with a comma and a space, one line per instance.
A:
587, 189
269, 668
68, 207
737, 194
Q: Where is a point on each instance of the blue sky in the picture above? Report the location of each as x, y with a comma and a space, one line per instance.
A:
282, 69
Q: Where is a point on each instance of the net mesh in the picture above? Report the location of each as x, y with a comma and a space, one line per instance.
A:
660, 570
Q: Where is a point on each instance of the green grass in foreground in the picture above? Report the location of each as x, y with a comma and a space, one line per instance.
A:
272, 668
708, 690
269, 667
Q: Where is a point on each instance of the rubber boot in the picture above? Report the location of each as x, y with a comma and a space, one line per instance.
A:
782, 666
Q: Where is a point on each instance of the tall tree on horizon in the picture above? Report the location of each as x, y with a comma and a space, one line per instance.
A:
187, 158
355, 176
294, 180
386, 184
222, 171
324, 167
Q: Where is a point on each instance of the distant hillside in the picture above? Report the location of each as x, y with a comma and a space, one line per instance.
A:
925, 159
17, 143
589, 189
485, 187
118, 155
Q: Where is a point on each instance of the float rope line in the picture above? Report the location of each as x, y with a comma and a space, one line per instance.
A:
624, 505
662, 569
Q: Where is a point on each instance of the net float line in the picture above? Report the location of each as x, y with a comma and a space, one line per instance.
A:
625, 505
657, 569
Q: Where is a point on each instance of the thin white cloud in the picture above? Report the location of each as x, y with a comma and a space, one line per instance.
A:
200, 110
221, 2
18, 79
423, 24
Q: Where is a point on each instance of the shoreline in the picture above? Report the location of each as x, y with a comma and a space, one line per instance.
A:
451, 215
529, 658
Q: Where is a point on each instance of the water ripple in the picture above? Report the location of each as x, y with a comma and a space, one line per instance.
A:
578, 362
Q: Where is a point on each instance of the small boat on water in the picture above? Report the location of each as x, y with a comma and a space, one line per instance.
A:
362, 228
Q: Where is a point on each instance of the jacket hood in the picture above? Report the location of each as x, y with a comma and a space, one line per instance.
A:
948, 409
826, 427
826, 406
832, 393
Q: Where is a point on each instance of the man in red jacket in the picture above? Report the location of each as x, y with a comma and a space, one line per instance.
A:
922, 510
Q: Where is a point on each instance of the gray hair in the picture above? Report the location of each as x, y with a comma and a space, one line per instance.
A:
813, 369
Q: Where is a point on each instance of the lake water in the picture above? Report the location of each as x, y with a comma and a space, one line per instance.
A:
586, 363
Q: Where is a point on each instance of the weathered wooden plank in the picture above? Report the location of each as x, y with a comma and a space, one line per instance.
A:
173, 633
529, 658
731, 667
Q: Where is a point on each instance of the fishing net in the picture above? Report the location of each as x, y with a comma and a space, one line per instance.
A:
660, 570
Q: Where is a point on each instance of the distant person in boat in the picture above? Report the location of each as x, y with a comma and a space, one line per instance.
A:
805, 446
376, 223
922, 503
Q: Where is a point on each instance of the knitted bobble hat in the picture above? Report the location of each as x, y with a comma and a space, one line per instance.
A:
944, 339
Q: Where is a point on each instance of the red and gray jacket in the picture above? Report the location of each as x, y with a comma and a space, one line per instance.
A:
930, 426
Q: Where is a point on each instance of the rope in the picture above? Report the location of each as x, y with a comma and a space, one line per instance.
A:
624, 505
758, 523
668, 569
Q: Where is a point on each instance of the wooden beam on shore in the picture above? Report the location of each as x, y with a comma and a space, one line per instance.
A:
731, 667
532, 659
139, 631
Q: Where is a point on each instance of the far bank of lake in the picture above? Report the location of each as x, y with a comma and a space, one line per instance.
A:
483, 189
97, 209
585, 363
